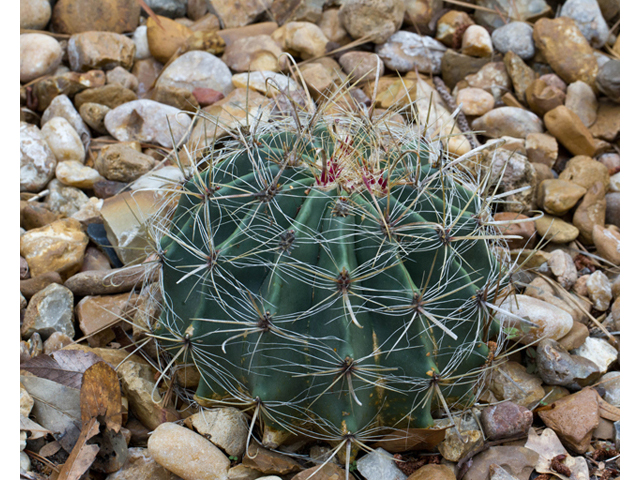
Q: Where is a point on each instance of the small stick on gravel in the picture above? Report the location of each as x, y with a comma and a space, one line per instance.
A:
461, 119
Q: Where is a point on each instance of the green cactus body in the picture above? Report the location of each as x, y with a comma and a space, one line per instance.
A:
336, 294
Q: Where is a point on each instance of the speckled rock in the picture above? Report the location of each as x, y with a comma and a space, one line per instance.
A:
122, 77
557, 366
378, 19
510, 381
146, 121
225, 427
100, 50
117, 16
505, 420
112, 96
37, 162
39, 55
93, 114
557, 196
476, 42
56, 341
50, 310
75, 174
516, 37
34, 14
587, 16
65, 200
563, 267
492, 77
122, 163
57, 247
507, 121
187, 454
522, 76
544, 320
404, 51
567, 127
474, 101
302, 39
197, 69
566, 50
68, 83
63, 140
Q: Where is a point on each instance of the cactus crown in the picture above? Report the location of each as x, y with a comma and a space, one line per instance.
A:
331, 271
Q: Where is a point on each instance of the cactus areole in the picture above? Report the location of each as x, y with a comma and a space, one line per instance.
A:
332, 274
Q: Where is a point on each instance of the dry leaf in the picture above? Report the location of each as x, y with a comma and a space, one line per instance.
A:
36, 430
56, 407
64, 366
548, 446
82, 455
100, 396
49, 449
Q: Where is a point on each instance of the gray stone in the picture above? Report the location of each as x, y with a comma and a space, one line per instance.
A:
505, 420
516, 37
557, 366
522, 10
61, 106
610, 383
50, 310
122, 77
168, 8
379, 465
589, 19
404, 51
37, 162
146, 121
613, 208
608, 79
225, 427
197, 69
563, 267
509, 122
582, 101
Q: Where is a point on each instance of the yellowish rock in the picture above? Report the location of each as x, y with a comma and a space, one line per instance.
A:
567, 127
557, 196
556, 230
166, 39
75, 174
301, 38
267, 83
57, 247
476, 42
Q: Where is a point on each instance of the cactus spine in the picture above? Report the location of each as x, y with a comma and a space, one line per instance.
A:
333, 272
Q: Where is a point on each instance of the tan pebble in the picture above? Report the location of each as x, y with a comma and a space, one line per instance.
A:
541, 148
474, 101
567, 127
476, 42
607, 243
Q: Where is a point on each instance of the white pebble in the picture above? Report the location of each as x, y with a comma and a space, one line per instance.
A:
598, 351
39, 55
599, 289
63, 140
75, 174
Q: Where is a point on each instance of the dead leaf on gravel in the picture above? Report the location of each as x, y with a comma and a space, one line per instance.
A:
49, 449
56, 407
82, 455
63, 366
548, 446
100, 396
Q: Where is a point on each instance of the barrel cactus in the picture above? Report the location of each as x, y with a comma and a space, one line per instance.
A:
333, 273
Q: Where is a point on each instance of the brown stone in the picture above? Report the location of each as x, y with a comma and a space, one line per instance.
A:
68, 84
566, 50
111, 95
303, 39
260, 52
542, 97
585, 171
433, 472
57, 247
269, 462
166, 39
521, 74
556, 230
591, 211
146, 71
541, 148
100, 50
35, 215
33, 285
492, 76
98, 315
518, 461
525, 229
94, 259
104, 282
208, 21
239, 14
576, 336
121, 163
230, 35
567, 127
607, 124
329, 471
607, 242
450, 26
573, 418
93, 114
511, 101
70, 16
209, 42
456, 66
557, 196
